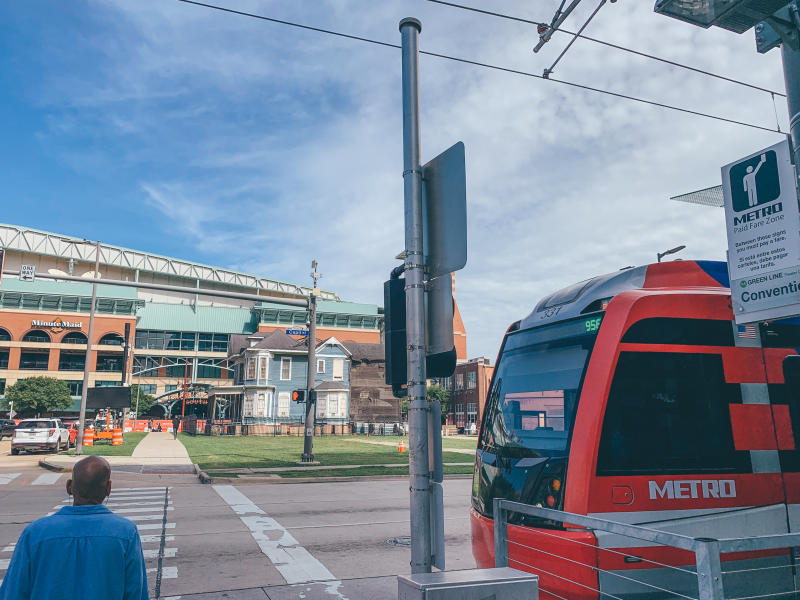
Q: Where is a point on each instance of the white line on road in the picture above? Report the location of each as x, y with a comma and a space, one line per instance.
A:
142, 489
8, 477
155, 526
4, 562
10, 547
153, 553
166, 572
127, 511
293, 562
47, 479
145, 517
156, 539
150, 503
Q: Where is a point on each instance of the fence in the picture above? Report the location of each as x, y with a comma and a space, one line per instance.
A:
756, 568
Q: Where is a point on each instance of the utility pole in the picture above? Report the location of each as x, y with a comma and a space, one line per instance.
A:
311, 398
88, 360
419, 484
791, 75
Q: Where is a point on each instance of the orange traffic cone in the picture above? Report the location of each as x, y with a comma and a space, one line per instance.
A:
116, 437
402, 447
88, 437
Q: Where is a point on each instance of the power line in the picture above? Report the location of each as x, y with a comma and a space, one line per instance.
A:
483, 65
608, 44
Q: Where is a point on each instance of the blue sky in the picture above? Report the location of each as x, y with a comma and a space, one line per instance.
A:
171, 128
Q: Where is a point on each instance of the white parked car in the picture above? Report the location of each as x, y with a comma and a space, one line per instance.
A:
40, 434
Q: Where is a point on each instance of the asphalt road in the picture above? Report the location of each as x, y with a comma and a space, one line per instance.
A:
241, 542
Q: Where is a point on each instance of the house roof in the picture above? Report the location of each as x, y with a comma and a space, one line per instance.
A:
331, 385
364, 351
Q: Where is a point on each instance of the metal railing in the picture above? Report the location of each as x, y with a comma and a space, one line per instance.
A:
707, 569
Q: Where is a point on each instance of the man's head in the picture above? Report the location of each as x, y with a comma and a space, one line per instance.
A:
90, 482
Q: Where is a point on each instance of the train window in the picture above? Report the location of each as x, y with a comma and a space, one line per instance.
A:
788, 395
668, 413
783, 334
689, 332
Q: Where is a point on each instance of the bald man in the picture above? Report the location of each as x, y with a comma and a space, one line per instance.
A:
84, 551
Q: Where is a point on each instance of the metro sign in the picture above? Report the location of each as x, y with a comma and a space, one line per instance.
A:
692, 488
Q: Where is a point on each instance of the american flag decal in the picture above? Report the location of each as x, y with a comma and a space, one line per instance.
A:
747, 332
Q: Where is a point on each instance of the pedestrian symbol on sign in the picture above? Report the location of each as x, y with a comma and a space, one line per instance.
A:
755, 181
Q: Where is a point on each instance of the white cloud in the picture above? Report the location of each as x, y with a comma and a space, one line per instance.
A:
264, 147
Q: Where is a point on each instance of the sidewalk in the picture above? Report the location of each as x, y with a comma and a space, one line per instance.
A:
156, 453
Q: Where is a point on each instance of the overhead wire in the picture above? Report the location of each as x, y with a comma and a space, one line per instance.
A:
607, 44
482, 65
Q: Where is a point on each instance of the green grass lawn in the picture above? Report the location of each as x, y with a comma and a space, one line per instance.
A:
367, 471
223, 452
461, 443
104, 447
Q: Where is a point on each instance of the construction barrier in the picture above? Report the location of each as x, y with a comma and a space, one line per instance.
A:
88, 437
401, 447
116, 437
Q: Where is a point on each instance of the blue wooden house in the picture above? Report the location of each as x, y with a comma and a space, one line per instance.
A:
269, 366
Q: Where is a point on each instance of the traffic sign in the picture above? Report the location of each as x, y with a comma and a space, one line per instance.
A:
297, 332
27, 272
762, 216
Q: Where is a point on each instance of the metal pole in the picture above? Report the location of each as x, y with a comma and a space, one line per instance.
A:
415, 308
88, 359
308, 440
791, 75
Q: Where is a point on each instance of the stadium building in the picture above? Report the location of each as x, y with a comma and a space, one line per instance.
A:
173, 337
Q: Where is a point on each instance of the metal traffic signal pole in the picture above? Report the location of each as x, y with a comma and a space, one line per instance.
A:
311, 400
88, 360
791, 75
415, 304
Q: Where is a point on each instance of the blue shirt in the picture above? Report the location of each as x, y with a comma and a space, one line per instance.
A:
81, 552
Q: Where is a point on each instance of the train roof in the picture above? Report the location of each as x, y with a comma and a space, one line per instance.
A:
590, 295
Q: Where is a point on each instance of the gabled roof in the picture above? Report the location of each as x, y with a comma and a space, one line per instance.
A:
274, 340
332, 341
331, 385
363, 351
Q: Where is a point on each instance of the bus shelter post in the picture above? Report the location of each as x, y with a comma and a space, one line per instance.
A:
709, 570
419, 474
500, 533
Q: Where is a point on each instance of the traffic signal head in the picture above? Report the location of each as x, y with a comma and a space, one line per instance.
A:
299, 396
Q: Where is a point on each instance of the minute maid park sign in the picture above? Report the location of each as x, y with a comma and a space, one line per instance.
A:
763, 222
57, 325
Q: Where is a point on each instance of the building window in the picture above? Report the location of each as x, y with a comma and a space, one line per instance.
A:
338, 369
472, 408
37, 335
212, 342
459, 381
472, 380
75, 387
251, 368
333, 404
36, 361
148, 388
286, 368
183, 368
150, 340
109, 362
321, 366
170, 387
111, 339
2, 386
180, 340
283, 404
74, 337
207, 371
106, 383
263, 368
4, 359
4, 336
71, 361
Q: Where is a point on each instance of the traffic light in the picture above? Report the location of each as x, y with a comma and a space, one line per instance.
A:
299, 396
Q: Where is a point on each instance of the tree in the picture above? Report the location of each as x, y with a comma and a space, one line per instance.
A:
146, 401
437, 392
37, 395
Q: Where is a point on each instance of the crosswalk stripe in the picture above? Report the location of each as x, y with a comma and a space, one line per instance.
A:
4, 562
156, 539
153, 552
145, 517
10, 547
155, 525
150, 503
166, 572
6, 478
141, 509
141, 489
47, 479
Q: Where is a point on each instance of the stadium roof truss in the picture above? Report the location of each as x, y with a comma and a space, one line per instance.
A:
33, 241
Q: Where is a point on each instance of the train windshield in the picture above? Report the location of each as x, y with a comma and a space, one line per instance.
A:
535, 389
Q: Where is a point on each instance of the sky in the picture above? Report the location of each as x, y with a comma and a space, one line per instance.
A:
213, 137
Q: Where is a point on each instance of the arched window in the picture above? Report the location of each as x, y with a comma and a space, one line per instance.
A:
4, 335
74, 337
36, 335
112, 339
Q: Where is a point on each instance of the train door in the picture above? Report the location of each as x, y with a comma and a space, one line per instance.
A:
675, 453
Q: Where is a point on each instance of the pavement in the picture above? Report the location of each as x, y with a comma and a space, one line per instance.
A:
157, 452
312, 541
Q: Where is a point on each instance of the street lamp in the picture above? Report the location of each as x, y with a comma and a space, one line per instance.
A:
661, 255
733, 15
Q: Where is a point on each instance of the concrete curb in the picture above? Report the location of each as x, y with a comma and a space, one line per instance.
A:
276, 479
46, 465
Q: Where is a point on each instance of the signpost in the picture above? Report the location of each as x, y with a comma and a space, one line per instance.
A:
763, 223
27, 272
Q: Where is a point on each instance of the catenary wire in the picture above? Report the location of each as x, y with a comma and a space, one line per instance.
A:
483, 65
608, 44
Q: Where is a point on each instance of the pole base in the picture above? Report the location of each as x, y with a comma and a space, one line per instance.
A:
310, 462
